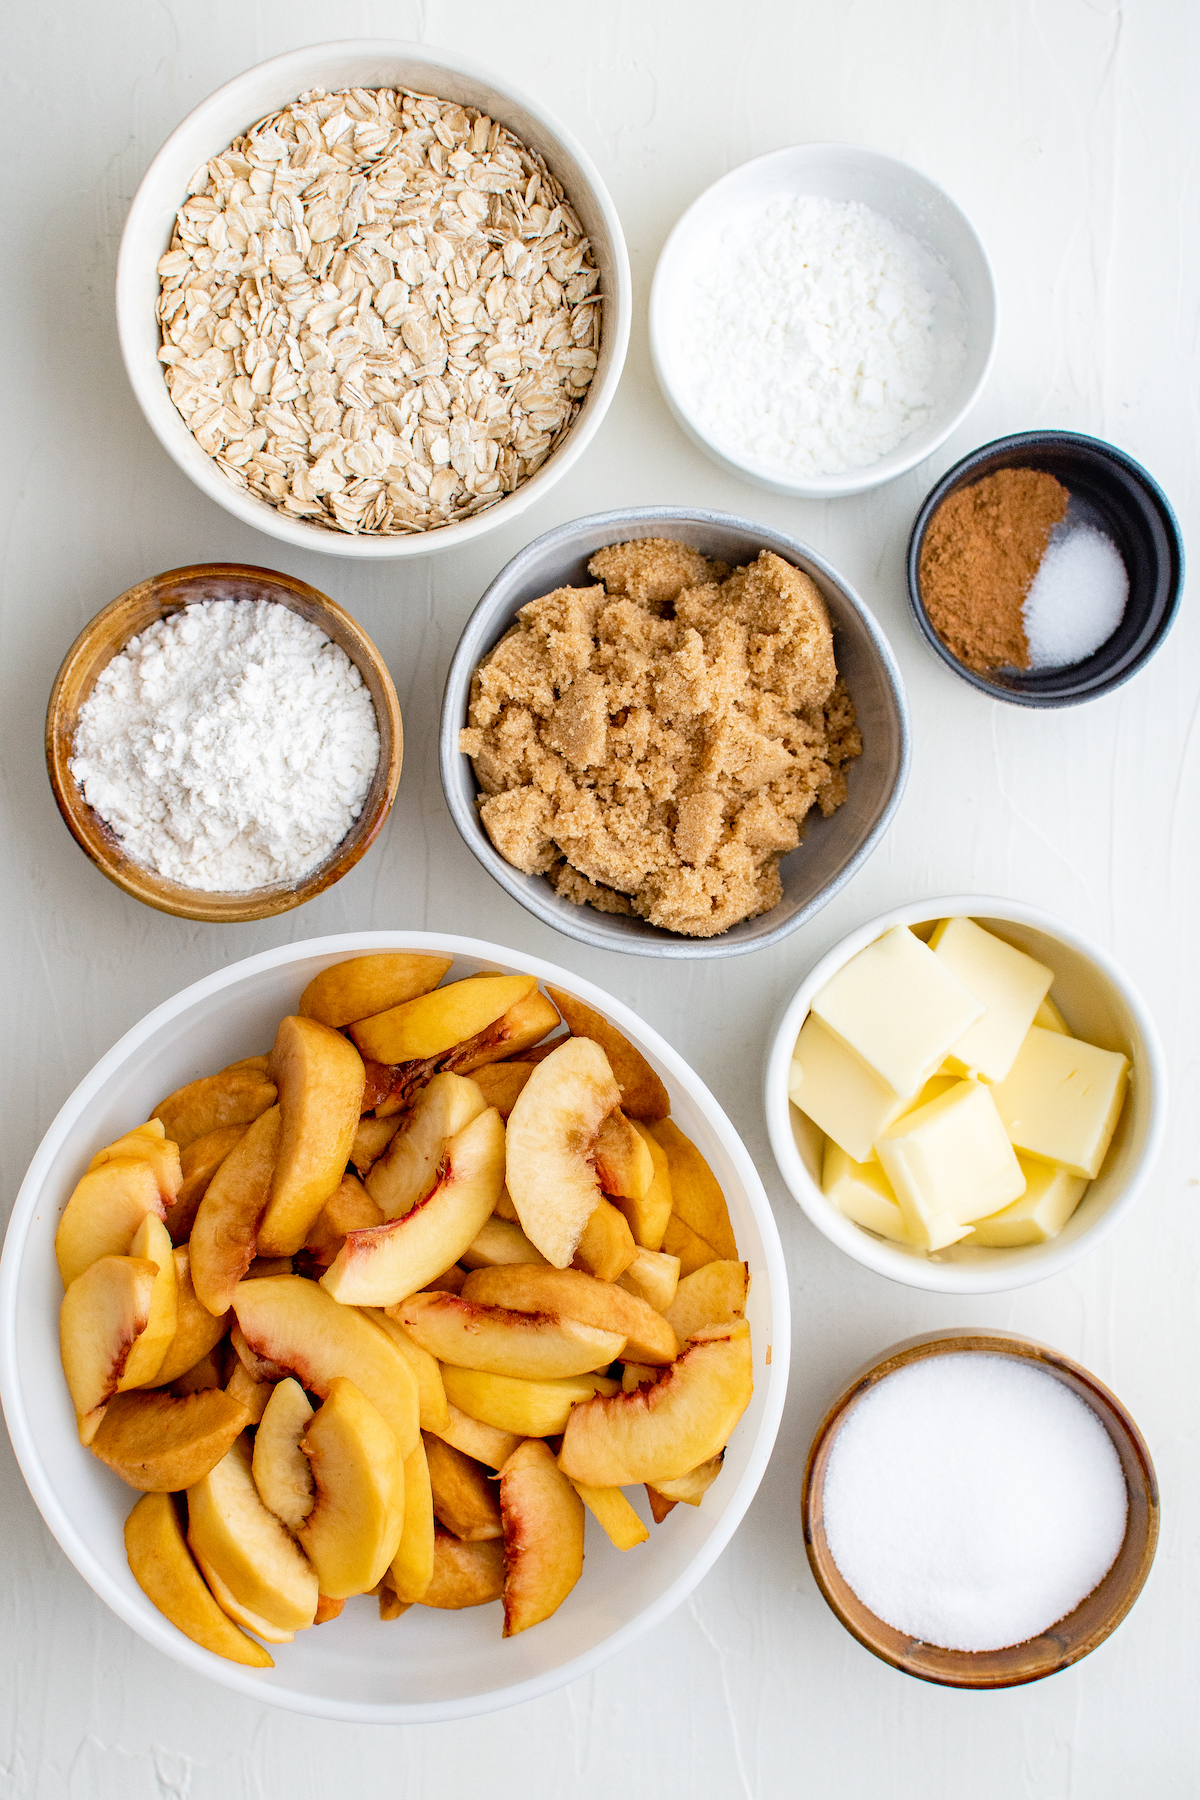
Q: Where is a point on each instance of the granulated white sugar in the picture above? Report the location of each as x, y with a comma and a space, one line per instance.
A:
229, 746
1077, 598
819, 336
972, 1500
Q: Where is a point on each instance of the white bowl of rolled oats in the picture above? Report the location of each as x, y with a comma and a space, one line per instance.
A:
371, 302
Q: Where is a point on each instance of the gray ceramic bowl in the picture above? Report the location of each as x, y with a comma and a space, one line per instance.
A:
833, 849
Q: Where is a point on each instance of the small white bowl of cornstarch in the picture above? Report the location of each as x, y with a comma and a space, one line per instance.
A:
372, 302
822, 318
223, 742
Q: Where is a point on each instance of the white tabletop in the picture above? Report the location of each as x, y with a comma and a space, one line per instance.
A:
1067, 132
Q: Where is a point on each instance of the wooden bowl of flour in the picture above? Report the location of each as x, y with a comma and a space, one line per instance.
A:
108, 634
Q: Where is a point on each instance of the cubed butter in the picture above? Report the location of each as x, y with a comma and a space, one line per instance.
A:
863, 1192
950, 1160
1011, 985
1050, 1019
838, 1091
1050, 1197
899, 1007
1061, 1100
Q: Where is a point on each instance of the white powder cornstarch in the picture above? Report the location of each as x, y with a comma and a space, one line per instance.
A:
819, 336
231, 745
972, 1500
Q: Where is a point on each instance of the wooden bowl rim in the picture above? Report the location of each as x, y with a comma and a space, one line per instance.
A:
101, 845
966, 1668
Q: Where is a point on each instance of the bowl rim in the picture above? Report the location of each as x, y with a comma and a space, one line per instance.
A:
247, 507
1047, 439
157, 1630
212, 905
852, 481
476, 640
874, 1253
976, 1340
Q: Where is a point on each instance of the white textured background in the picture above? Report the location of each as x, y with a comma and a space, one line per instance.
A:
1068, 131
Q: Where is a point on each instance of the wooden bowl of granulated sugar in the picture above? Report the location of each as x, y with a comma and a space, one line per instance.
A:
298, 841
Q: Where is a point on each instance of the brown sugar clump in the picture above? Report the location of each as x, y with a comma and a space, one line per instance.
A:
653, 744
980, 555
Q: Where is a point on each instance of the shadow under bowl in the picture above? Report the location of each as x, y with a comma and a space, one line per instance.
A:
1069, 1638
1109, 490
106, 636
833, 849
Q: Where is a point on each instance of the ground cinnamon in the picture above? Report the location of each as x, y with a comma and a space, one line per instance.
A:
980, 555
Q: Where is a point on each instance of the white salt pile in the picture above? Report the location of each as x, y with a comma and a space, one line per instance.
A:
971, 1500
1076, 599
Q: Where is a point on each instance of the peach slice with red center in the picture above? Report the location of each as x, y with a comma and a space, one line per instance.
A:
353, 1530
381, 1266
543, 1536
104, 1312
320, 1077
531, 1344
348, 1208
408, 1170
162, 1565
624, 1161
574, 1295
660, 1432
552, 1129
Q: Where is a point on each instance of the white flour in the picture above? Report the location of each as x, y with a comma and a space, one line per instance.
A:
820, 336
231, 745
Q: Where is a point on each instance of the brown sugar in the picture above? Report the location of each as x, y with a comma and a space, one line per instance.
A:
652, 744
980, 555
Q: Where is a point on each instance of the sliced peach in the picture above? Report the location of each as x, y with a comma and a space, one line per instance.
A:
408, 1172
254, 1555
660, 1506
390, 1604
330, 1609
263, 1267
500, 1241
486, 1443
653, 1276
365, 985
464, 1574
412, 1566
643, 1095
237, 1096
709, 1296
649, 1215
104, 1312
624, 1162
663, 1431
198, 1164
551, 1131
526, 1408
241, 1615
448, 1282
209, 1372
383, 1265
348, 1208
197, 1331
371, 1139
536, 1346
152, 1242
614, 1512
515, 1031
543, 1536
294, 1323
104, 1211
692, 1487
426, 1370
635, 1375
320, 1077
161, 1444
221, 1247
147, 1143
161, 1564
353, 1530
280, 1468
699, 1211
507, 1211
436, 1022
574, 1295
464, 1495
253, 1395
606, 1248
501, 1082
259, 1368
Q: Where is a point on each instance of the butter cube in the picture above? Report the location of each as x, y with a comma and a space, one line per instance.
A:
863, 1192
837, 1090
899, 1007
1061, 1100
1050, 1197
1011, 985
1050, 1019
950, 1159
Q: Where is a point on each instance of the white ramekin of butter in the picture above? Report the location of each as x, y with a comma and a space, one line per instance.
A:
965, 1095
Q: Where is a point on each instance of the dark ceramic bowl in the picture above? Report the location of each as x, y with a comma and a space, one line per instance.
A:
1119, 497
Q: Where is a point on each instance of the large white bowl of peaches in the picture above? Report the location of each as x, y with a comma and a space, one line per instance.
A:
356, 1292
